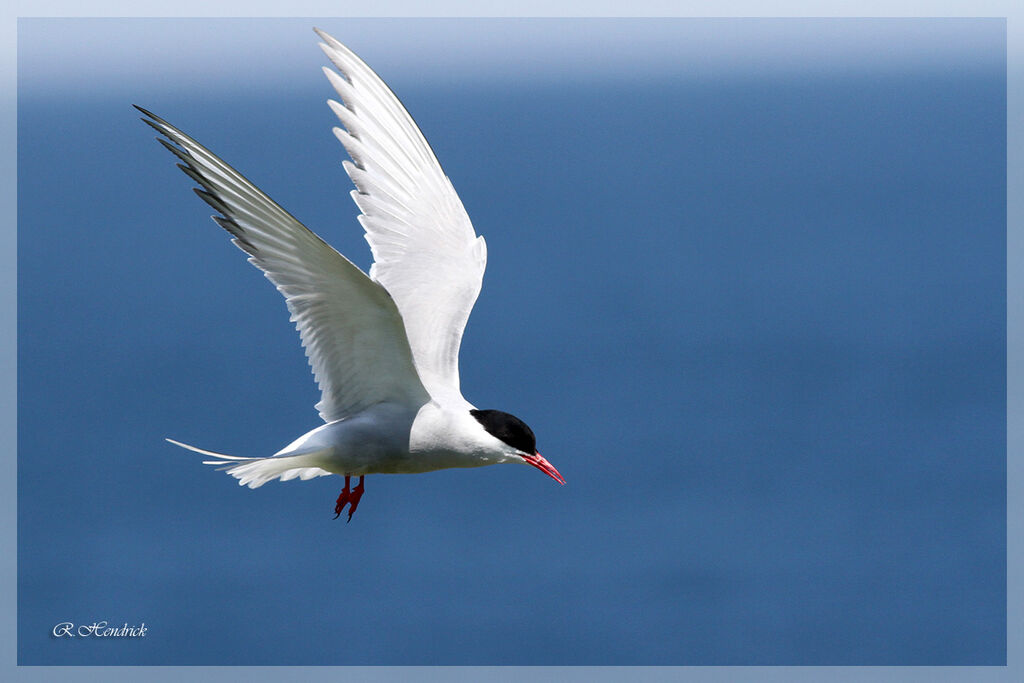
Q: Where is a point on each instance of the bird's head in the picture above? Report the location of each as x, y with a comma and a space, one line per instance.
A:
515, 434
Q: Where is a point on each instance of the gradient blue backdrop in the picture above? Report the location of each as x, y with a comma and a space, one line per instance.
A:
746, 282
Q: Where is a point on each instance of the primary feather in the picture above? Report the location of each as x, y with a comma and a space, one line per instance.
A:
349, 325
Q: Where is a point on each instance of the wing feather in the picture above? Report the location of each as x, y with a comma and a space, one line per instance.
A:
425, 250
350, 327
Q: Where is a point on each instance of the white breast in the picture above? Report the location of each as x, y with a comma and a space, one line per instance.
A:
445, 438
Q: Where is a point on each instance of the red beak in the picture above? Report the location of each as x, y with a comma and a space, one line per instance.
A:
538, 461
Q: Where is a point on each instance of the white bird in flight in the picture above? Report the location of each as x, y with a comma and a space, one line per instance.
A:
384, 348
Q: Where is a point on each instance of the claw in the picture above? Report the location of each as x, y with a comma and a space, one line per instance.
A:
342, 500
349, 497
357, 493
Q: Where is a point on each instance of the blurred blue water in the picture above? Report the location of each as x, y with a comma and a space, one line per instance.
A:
758, 324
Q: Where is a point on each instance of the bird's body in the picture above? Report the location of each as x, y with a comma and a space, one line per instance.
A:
386, 438
384, 347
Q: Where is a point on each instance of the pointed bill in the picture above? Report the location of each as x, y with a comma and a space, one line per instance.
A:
538, 461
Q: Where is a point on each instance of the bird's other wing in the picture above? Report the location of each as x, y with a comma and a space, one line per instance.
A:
425, 250
350, 328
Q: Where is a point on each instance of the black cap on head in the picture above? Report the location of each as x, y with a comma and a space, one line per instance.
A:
508, 428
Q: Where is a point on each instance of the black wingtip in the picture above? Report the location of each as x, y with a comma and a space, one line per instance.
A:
150, 114
213, 201
173, 149
191, 173
155, 126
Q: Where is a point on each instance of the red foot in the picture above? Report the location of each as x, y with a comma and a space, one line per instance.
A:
350, 498
342, 499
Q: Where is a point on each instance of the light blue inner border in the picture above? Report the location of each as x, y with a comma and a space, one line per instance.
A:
1015, 398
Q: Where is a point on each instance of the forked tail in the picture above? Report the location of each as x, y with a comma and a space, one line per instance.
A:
255, 472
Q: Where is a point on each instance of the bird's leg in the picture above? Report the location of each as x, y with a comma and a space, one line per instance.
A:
357, 493
349, 497
342, 499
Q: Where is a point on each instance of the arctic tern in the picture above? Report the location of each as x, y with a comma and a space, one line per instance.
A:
383, 347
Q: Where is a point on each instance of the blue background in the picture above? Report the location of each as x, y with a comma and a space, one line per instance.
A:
746, 282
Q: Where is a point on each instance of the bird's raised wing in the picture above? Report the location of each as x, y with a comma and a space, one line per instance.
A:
425, 250
350, 327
